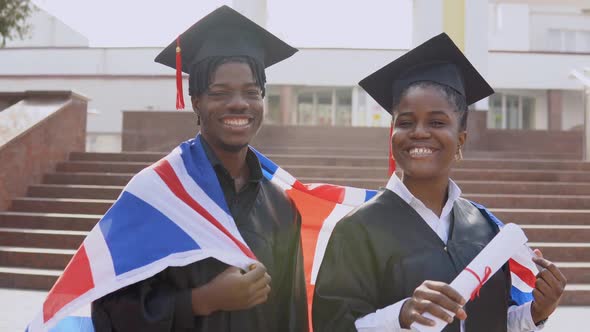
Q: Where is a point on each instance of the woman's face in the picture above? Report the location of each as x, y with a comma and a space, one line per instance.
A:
427, 134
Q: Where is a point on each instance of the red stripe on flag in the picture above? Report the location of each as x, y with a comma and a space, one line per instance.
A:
75, 281
523, 273
166, 172
313, 212
327, 191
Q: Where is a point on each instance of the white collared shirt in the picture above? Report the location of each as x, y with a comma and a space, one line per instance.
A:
387, 319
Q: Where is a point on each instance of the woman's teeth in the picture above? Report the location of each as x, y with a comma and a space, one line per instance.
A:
419, 152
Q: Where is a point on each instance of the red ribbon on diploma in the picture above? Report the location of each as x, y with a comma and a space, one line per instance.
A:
486, 276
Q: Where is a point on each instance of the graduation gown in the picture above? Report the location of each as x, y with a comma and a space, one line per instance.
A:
380, 253
271, 228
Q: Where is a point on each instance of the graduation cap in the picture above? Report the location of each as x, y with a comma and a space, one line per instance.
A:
437, 60
223, 32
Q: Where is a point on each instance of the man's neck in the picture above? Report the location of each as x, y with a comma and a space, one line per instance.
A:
233, 162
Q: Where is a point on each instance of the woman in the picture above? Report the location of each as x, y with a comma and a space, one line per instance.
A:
391, 260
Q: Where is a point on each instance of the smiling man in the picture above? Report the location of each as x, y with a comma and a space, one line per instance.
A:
225, 55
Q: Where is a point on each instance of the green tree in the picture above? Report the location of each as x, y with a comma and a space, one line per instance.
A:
13, 19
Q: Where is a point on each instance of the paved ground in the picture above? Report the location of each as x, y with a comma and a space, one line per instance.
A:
17, 308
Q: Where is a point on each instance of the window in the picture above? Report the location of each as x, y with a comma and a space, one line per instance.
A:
511, 112
305, 106
562, 40
324, 106
343, 116
273, 109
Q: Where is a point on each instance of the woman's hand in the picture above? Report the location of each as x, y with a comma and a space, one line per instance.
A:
548, 288
432, 297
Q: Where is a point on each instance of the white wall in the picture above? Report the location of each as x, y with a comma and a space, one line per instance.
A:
544, 18
109, 96
573, 109
48, 31
508, 27
514, 70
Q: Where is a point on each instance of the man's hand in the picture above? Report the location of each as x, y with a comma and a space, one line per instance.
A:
548, 288
232, 290
432, 297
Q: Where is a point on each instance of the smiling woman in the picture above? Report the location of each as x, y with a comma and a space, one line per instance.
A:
391, 261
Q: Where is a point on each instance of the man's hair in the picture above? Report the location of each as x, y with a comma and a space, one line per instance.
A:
456, 100
202, 73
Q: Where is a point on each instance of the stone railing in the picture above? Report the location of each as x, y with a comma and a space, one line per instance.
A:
37, 129
163, 130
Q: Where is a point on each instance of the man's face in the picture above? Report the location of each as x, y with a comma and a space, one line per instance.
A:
231, 109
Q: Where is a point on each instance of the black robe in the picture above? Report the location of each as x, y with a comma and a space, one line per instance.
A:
271, 228
380, 253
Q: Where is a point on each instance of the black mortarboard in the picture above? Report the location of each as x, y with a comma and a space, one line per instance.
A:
437, 60
223, 32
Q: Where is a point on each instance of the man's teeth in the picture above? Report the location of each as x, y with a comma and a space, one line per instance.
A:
235, 122
420, 151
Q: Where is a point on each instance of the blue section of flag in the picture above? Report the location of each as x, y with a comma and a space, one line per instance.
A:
489, 215
133, 231
519, 296
266, 163
74, 324
266, 174
370, 194
200, 170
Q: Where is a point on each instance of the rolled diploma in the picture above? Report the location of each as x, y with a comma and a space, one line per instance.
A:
504, 245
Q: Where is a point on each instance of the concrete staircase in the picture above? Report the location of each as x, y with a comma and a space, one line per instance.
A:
550, 199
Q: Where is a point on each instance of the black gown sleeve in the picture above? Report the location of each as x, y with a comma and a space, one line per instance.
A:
347, 285
290, 281
149, 305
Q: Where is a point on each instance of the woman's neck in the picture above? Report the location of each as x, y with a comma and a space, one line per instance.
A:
432, 192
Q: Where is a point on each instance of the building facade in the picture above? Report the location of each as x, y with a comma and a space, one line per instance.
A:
529, 53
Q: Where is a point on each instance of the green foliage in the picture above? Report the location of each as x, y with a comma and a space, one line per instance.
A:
13, 19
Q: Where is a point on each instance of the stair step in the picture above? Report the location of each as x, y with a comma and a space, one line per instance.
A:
74, 191
523, 187
521, 155
521, 175
575, 272
565, 252
542, 216
489, 200
361, 172
149, 157
40, 258
61, 205
101, 179
350, 158
59, 221
576, 294
102, 166
324, 159
23, 278
41, 238
566, 233
531, 201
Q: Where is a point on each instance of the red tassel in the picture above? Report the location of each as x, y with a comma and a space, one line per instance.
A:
391, 160
179, 94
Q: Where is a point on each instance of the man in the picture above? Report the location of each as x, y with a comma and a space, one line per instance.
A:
225, 55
